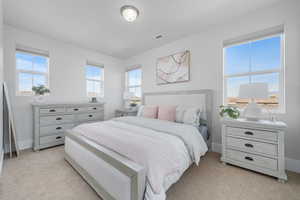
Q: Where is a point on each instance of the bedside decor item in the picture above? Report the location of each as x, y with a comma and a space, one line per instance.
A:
94, 100
255, 145
39, 92
174, 68
253, 91
229, 111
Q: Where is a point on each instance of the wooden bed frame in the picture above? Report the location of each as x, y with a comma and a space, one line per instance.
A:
134, 172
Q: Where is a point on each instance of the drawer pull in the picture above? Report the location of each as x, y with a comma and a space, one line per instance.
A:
59, 118
249, 145
58, 128
90, 115
75, 109
52, 110
248, 158
58, 137
248, 133
94, 108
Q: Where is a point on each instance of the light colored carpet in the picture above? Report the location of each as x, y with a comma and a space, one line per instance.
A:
46, 176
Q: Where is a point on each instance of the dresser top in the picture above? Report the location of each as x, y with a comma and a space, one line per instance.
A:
259, 123
82, 103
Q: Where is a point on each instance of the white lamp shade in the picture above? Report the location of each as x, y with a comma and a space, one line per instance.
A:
253, 90
128, 95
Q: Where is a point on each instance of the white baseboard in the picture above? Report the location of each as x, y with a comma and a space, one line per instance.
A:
291, 164
1, 160
25, 144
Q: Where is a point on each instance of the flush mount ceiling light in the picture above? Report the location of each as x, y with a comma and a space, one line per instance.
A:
130, 13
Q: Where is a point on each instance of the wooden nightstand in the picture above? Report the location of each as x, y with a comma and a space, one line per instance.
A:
125, 112
255, 145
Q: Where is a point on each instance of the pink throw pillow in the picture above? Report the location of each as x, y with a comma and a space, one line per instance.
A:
150, 111
167, 113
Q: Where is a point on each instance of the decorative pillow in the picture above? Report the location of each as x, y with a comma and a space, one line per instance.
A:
150, 111
188, 115
167, 113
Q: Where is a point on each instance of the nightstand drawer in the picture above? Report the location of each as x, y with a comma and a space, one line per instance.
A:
52, 110
252, 146
252, 133
252, 159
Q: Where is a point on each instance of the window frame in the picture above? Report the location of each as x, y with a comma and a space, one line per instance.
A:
101, 67
32, 72
127, 87
281, 70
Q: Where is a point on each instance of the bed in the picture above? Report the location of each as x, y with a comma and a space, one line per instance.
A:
135, 158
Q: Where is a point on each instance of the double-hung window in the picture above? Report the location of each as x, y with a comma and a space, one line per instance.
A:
32, 69
252, 61
94, 80
134, 82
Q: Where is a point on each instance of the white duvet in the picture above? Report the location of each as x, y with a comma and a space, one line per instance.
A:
159, 146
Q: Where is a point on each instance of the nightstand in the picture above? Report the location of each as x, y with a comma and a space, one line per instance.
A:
255, 145
125, 112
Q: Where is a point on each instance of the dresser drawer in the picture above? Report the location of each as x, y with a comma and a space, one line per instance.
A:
95, 108
252, 146
52, 139
57, 119
52, 110
76, 109
54, 129
252, 159
252, 133
90, 117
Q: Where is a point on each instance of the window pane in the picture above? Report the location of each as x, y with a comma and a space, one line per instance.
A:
39, 80
272, 80
237, 59
24, 61
134, 77
40, 64
25, 82
93, 72
233, 85
137, 91
265, 54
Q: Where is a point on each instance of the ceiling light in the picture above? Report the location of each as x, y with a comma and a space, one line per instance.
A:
130, 13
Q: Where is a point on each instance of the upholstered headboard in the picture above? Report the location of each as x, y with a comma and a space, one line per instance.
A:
198, 98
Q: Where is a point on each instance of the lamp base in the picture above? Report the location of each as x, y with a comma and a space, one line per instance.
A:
253, 112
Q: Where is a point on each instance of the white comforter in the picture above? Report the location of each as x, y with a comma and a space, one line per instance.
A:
156, 145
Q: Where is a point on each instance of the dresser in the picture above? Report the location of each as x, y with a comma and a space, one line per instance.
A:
255, 145
50, 121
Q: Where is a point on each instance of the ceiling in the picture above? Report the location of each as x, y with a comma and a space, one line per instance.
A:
98, 25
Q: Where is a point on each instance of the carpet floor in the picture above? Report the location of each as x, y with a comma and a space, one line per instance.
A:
45, 175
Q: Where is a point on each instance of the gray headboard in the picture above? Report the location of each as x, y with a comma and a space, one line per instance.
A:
200, 98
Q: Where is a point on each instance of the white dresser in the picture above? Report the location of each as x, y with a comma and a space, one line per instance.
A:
50, 121
257, 146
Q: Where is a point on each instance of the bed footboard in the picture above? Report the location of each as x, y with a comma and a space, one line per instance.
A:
112, 176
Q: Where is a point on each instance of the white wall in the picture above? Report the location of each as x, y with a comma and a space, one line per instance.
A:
206, 63
1, 80
67, 77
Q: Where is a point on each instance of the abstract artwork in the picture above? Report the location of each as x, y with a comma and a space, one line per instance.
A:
174, 68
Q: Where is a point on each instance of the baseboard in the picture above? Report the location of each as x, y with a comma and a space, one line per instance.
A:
1, 160
25, 144
291, 164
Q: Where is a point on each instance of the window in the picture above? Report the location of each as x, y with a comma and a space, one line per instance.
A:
94, 80
32, 70
134, 82
253, 61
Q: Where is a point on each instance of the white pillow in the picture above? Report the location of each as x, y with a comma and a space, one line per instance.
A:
188, 115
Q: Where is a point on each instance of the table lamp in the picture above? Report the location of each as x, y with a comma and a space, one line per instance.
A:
253, 91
